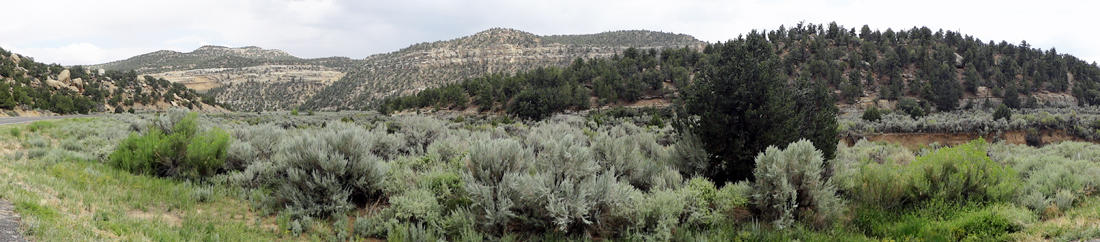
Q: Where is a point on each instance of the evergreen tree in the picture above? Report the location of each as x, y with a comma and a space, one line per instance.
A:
743, 107
1002, 112
7, 100
872, 114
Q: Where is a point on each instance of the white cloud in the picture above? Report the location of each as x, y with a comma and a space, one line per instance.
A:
80, 53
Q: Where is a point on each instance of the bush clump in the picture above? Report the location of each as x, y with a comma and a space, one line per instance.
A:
883, 177
961, 173
326, 172
1055, 176
872, 114
791, 184
175, 149
1002, 112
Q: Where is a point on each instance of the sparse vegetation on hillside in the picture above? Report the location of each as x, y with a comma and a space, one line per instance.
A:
541, 92
214, 57
32, 85
916, 69
432, 65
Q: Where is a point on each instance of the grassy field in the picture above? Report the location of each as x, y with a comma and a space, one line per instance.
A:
65, 193
58, 176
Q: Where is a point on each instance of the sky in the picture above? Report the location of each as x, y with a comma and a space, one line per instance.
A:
80, 32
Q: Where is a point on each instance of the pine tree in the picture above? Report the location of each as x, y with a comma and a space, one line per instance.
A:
743, 107
1003, 112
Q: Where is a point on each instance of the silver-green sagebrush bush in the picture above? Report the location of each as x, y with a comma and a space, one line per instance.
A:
420, 131
325, 172
791, 184
1054, 176
569, 186
493, 167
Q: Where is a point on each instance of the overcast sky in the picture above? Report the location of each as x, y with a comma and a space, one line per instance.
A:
78, 32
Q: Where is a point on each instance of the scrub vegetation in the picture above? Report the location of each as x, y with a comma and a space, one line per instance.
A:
605, 176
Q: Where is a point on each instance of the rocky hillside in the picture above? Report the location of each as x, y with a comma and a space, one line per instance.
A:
915, 71
208, 57
28, 85
255, 79
505, 51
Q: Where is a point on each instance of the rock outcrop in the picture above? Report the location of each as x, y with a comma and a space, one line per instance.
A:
958, 60
65, 77
1056, 100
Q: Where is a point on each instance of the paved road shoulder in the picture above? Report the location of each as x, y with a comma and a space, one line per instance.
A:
9, 223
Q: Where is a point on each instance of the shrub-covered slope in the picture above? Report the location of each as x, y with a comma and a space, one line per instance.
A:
364, 81
495, 51
941, 71
26, 84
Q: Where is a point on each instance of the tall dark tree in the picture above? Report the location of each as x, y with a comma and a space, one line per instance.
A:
743, 107
816, 114
7, 99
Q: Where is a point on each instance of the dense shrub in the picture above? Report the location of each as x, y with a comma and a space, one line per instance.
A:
254, 143
961, 173
872, 114
792, 184
658, 214
1053, 177
326, 172
493, 166
175, 148
1003, 112
632, 158
560, 189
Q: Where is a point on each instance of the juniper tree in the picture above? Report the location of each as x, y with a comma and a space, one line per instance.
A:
743, 107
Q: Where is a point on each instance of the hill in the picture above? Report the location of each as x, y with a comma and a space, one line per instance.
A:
254, 79
29, 85
915, 70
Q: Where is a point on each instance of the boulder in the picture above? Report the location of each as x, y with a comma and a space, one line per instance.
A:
958, 61
15, 58
884, 104
65, 77
101, 72
56, 84
78, 82
984, 92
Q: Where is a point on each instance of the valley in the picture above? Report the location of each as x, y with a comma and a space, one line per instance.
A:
811, 132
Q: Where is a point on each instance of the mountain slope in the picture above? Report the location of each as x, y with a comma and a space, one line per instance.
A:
255, 79
26, 85
916, 71
493, 51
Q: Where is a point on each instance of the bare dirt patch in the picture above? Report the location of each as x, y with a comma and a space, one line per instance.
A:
656, 102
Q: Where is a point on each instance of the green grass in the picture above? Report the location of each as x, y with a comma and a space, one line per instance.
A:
1082, 222
72, 199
